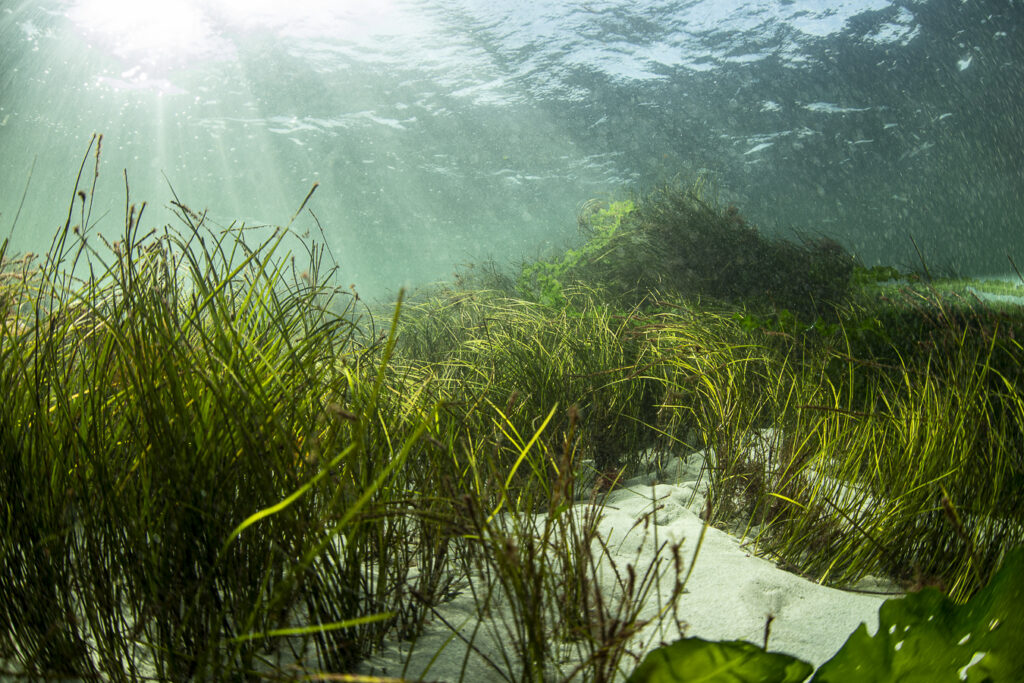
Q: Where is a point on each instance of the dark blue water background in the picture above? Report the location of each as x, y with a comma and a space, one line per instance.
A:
447, 132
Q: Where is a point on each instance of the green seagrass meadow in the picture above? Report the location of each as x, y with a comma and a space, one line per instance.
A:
216, 463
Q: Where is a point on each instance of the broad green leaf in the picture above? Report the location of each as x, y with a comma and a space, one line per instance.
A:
926, 637
700, 661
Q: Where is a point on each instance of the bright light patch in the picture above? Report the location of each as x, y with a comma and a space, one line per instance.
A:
155, 31
149, 32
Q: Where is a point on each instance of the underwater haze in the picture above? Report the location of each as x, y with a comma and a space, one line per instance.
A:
446, 132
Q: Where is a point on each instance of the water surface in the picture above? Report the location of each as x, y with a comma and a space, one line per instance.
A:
447, 132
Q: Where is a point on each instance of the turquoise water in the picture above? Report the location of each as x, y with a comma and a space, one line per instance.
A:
448, 132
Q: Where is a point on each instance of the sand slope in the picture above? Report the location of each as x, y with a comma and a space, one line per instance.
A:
729, 594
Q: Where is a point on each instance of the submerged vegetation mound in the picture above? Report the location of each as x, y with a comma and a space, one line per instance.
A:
215, 466
675, 242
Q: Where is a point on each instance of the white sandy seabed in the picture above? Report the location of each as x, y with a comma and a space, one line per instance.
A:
730, 594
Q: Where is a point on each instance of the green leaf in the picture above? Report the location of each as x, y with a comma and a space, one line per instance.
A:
926, 637
694, 660
315, 628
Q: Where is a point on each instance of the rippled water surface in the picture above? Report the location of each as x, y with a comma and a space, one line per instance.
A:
446, 132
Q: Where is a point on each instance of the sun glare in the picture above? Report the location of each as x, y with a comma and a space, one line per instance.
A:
149, 32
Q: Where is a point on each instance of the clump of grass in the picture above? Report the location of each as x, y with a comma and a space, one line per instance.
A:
216, 467
535, 563
721, 388
525, 358
831, 444
677, 241
197, 452
838, 461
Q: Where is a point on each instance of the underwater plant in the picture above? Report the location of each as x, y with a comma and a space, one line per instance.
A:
922, 636
674, 241
215, 465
